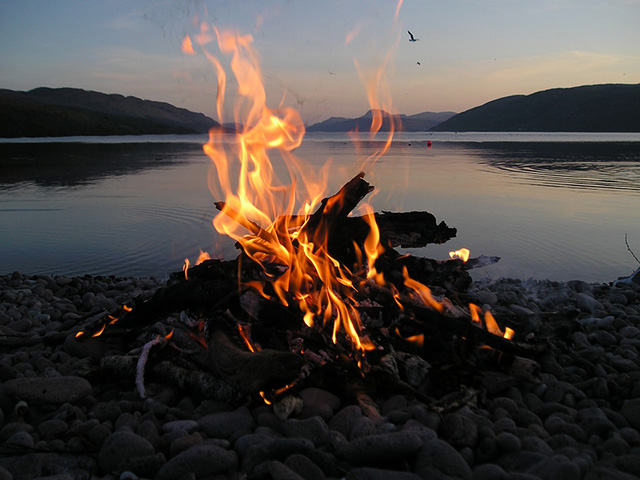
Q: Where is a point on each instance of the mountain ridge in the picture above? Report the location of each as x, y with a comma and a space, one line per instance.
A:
66, 111
587, 108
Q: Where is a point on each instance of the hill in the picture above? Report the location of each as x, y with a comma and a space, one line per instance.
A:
592, 108
53, 112
419, 122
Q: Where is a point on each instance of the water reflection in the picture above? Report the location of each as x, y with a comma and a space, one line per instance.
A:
603, 166
68, 165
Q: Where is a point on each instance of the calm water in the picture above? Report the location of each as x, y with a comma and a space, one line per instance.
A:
550, 205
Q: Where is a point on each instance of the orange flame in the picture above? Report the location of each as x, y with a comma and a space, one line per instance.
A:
259, 208
462, 254
187, 46
423, 292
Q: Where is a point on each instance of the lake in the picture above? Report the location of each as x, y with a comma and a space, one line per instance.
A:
554, 206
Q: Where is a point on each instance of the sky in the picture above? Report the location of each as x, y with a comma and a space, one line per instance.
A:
469, 52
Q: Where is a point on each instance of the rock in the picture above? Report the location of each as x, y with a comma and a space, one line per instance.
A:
84, 347
226, 424
55, 390
488, 471
363, 428
201, 460
508, 442
587, 303
439, 457
345, 420
367, 473
459, 431
304, 467
146, 466
50, 429
313, 428
121, 446
631, 412
318, 402
384, 448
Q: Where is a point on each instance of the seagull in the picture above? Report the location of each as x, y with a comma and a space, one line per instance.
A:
412, 39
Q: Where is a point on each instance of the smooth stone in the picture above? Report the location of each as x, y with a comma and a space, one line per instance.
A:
508, 442
304, 467
318, 402
345, 420
201, 460
146, 466
181, 444
55, 390
631, 412
50, 429
226, 424
459, 431
557, 466
84, 347
368, 473
363, 428
275, 470
279, 448
121, 446
383, 448
439, 457
313, 428
488, 471
188, 425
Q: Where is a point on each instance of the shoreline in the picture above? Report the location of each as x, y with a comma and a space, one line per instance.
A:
580, 419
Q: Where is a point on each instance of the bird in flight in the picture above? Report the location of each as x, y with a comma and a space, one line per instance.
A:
412, 39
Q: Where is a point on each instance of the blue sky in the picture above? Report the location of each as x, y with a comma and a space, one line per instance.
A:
470, 51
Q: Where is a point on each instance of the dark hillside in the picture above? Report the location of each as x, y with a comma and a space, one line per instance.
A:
46, 112
593, 108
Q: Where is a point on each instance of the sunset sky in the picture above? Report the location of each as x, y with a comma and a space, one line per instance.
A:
469, 51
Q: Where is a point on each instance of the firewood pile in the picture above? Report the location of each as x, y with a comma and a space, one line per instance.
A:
219, 329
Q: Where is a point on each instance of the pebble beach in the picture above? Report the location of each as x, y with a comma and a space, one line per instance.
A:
580, 419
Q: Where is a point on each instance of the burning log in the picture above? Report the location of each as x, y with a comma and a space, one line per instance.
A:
240, 333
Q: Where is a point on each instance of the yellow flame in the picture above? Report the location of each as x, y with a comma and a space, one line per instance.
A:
422, 291
462, 254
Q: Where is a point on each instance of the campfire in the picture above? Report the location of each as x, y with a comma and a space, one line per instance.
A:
319, 293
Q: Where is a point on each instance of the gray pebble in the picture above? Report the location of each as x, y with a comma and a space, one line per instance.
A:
318, 402
314, 429
345, 420
383, 448
201, 460
226, 424
55, 390
304, 467
438, 457
121, 446
368, 473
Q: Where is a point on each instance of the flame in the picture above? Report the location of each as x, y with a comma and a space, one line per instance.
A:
187, 46
99, 332
245, 333
417, 340
423, 292
201, 258
462, 254
489, 322
508, 333
185, 268
267, 215
271, 215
